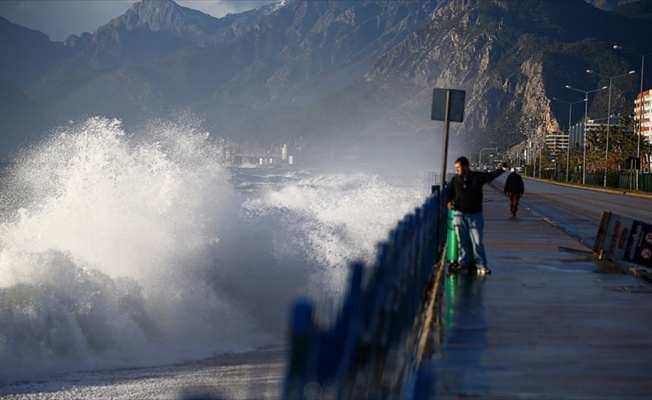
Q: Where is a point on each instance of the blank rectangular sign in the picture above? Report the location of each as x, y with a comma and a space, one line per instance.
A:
456, 105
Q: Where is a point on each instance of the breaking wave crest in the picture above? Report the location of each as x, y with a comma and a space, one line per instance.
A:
106, 244
124, 250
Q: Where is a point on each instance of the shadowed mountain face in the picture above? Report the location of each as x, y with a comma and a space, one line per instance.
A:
334, 73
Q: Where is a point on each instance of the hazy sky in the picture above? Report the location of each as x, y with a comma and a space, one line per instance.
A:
60, 18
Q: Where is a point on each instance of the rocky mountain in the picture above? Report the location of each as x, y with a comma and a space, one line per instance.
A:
20, 119
512, 58
609, 5
27, 54
354, 74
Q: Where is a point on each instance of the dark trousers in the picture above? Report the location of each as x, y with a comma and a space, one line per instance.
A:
513, 203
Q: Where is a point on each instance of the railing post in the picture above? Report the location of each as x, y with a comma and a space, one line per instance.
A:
301, 369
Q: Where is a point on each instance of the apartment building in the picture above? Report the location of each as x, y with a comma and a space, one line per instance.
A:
643, 111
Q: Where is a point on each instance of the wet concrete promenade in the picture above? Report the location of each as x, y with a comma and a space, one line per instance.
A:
551, 322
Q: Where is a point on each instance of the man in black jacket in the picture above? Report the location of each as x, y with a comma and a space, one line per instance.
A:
514, 188
464, 196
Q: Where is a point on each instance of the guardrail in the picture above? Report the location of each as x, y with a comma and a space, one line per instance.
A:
615, 179
369, 348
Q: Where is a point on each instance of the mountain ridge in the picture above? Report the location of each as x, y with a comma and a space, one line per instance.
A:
335, 70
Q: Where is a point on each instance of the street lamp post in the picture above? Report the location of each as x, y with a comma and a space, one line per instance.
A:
508, 152
540, 160
480, 156
640, 109
527, 155
586, 109
570, 111
606, 148
539, 153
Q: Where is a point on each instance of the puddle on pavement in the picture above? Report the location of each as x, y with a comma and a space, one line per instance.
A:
568, 268
638, 289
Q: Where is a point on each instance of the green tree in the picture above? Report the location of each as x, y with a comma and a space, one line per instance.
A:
575, 165
595, 148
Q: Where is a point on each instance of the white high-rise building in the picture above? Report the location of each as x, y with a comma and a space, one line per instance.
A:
556, 142
643, 111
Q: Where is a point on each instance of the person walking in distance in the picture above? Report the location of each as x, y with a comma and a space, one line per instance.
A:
464, 197
514, 189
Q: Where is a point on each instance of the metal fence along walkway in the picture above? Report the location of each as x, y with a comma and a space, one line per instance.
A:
370, 348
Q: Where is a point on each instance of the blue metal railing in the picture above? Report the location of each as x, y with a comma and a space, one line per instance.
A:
369, 350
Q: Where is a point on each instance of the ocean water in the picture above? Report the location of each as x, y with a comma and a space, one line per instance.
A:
129, 256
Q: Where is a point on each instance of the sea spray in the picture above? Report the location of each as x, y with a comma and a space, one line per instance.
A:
106, 248
131, 249
333, 220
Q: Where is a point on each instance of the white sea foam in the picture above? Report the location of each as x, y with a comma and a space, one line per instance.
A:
334, 220
123, 250
106, 249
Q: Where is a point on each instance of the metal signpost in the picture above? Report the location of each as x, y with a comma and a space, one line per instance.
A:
447, 106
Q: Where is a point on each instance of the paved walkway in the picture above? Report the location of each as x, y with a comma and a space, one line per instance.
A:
551, 322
